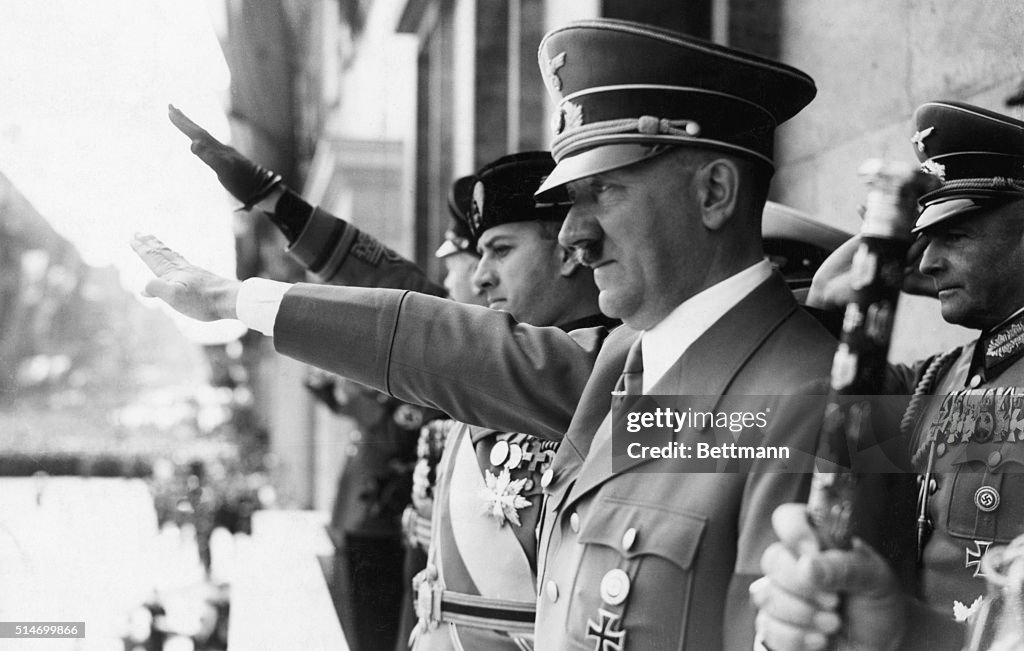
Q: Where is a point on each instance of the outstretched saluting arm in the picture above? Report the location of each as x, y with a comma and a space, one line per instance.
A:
332, 249
476, 364
191, 290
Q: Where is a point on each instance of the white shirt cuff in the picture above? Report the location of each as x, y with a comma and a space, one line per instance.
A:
259, 300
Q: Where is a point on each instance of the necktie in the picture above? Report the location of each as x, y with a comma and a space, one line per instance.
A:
631, 382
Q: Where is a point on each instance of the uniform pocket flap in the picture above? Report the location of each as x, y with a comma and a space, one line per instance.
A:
638, 528
985, 506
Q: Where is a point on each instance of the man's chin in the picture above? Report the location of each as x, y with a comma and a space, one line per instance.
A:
958, 315
611, 305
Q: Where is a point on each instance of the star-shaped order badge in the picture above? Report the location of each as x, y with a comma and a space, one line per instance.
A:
502, 497
962, 613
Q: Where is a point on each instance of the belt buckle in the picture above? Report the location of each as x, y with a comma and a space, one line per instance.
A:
428, 597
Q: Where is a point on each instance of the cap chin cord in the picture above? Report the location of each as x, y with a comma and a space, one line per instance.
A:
645, 124
993, 183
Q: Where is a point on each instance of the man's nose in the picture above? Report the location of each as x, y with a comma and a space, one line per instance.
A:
932, 261
484, 277
580, 231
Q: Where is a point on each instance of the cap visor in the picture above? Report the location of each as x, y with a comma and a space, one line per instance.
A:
603, 158
781, 222
942, 210
446, 249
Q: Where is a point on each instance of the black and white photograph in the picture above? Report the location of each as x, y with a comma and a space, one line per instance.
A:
511, 325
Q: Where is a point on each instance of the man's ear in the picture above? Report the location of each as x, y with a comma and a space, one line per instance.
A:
718, 183
570, 263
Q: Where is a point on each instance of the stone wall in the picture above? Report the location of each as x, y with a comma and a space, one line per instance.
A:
874, 62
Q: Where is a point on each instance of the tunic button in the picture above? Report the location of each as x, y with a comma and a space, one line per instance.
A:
994, 459
986, 499
552, 589
629, 539
499, 453
975, 381
547, 478
614, 587
574, 522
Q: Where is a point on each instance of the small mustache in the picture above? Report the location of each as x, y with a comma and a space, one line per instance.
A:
587, 254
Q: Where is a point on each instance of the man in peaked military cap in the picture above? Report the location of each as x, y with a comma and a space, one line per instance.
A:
667, 153
966, 441
665, 144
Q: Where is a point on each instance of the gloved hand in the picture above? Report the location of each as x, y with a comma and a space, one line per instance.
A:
245, 180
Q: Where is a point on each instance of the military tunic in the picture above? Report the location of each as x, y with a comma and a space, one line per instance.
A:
663, 561
976, 420
337, 253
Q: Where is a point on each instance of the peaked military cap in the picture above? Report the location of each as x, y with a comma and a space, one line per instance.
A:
977, 154
504, 192
625, 92
458, 238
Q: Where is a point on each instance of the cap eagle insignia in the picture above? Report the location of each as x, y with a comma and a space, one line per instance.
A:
554, 64
919, 136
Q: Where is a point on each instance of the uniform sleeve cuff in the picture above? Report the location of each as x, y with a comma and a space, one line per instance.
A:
259, 300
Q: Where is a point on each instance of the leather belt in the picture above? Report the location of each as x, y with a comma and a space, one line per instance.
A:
435, 605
